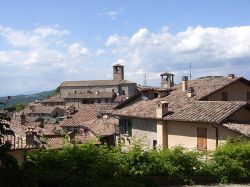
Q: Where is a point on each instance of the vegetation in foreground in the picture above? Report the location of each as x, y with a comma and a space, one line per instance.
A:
91, 165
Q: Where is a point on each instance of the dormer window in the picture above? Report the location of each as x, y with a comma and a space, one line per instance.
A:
224, 96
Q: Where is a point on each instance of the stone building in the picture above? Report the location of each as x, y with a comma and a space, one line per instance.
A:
98, 91
196, 114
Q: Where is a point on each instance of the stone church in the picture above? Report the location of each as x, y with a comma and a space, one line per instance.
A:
99, 91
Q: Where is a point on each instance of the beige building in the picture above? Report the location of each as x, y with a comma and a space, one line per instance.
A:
196, 114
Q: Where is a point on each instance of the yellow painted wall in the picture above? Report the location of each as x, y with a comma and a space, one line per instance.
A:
185, 134
236, 92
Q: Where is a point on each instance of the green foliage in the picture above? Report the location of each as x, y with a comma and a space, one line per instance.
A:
91, 165
17, 107
231, 162
6, 159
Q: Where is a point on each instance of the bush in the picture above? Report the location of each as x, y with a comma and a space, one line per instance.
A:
91, 165
231, 162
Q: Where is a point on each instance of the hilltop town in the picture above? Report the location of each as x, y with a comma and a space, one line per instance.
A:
198, 114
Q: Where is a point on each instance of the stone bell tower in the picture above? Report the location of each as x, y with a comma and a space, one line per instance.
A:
167, 80
118, 72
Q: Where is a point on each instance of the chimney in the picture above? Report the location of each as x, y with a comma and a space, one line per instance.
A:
162, 109
190, 92
184, 83
231, 76
30, 134
23, 118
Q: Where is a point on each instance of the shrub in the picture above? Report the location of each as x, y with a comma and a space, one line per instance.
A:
231, 162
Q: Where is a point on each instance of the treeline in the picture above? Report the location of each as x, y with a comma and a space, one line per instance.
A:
91, 165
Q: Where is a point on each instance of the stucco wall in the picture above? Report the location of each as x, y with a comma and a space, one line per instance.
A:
143, 131
241, 115
224, 134
185, 134
236, 92
65, 91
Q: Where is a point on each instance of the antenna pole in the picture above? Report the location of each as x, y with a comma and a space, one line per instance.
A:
190, 70
145, 79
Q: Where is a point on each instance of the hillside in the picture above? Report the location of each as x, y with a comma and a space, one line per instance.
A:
25, 98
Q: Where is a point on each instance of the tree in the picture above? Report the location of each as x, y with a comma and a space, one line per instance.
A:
6, 159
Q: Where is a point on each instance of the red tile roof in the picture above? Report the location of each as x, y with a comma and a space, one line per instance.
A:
18, 143
239, 127
182, 107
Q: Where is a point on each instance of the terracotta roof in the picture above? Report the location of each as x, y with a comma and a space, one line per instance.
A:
179, 102
103, 126
92, 83
91, 95
40, 109
139, 108
56, 141
84, 114
18, 143
239, 127
206, 111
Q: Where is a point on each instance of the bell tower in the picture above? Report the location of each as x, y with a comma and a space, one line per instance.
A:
167, 80
118, 72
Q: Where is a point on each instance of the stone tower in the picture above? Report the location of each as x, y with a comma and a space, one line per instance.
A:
118, 72
167, 80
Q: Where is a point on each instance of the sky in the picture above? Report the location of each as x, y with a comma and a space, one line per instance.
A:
45, 42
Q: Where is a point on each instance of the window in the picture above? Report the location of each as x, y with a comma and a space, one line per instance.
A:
224, 96
201, 138
154, 144
126, 127
156, 95
248, 95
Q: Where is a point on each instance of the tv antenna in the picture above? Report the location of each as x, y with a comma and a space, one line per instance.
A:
190, 67
145, 79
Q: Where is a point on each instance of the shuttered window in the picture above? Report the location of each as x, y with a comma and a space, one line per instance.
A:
201, 138
125, 127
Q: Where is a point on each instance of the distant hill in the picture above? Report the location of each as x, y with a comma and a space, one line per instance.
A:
25, 98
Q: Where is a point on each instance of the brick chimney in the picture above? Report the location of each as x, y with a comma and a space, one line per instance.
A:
190, 92
30, 134
162, 109
184, 83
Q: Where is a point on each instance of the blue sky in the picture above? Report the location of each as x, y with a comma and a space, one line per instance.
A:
43, 43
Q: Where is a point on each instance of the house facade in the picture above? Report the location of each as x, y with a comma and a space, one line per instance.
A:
196, 114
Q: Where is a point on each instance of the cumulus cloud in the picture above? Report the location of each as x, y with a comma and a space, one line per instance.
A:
207, 48
41, 58
76, 49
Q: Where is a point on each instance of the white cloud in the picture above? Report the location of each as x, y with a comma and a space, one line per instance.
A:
40, 58
206, 48
76, 49
113, 14
39, 37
